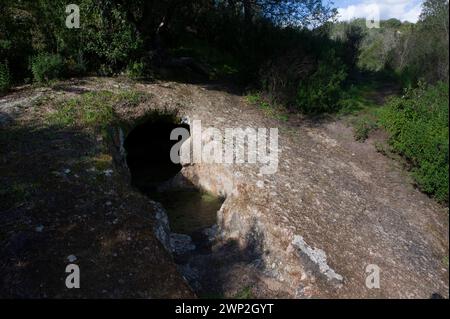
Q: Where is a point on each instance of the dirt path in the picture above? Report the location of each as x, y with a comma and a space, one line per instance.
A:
334, 206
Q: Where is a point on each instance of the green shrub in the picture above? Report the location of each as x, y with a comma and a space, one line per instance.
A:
136, 69
5, 78
322, 91
111, 41
46, 67
253, 98
418, 127
75, 67
363, 127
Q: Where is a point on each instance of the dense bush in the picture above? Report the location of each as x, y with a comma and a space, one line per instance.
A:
5, 79
110, 40
46, 67
418, 127
322, 91
281, 76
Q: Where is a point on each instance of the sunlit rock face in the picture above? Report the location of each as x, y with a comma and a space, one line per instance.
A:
311, 229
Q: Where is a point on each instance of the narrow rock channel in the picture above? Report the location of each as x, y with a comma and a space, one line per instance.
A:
190, 213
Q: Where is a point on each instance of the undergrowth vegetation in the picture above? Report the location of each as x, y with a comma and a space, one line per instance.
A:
268, 108
322, 91
5, 79
46, 67
418, 127
92, 109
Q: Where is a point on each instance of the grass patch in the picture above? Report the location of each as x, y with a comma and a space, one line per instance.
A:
381, 148
253, 98
93, 109
360, 110
269, 109
357, 99
363, 126
245, 293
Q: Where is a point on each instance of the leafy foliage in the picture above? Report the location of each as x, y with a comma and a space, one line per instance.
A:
139, 37
418, 127
322, 90
46, 67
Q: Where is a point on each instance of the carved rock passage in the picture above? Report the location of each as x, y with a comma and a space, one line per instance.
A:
334, 206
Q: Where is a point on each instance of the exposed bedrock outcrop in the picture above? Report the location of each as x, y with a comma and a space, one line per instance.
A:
278, 252
333, 209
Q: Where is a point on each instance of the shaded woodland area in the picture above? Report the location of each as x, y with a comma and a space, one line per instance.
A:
290, 52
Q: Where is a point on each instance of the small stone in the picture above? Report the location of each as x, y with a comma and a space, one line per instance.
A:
108, 203
67, 171
39, 228
71, 258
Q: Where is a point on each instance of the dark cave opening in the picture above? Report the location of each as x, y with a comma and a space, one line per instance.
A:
194, 234
190, 210
148, 148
